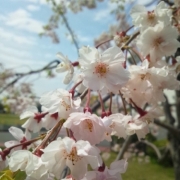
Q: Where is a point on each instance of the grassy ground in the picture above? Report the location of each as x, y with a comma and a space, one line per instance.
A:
148, 171
10, 119
145, 171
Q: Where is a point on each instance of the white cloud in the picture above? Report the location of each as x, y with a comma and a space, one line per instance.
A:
102, 14
143, 1
32, 1
105, 12
21, 19
48, 55
12, 56
33, 7
38, 1
82, 38
44, 1
11, 37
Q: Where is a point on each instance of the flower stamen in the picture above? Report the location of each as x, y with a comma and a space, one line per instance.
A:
101, 69
88, 124
158, 41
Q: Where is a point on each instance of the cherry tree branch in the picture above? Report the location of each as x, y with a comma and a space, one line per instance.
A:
130, 40
167, 111
53, 64
124, 148
168, 127
168, 2
158, 153
71, 32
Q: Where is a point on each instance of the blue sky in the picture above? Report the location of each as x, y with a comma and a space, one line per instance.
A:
22, 49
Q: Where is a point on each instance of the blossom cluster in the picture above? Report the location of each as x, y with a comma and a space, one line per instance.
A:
73, 130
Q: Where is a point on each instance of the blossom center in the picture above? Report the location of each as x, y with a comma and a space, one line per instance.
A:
158, 41
151, 15
88, 124
101, 69
64, 65
112, 125
72, 156
144, 76
66, 106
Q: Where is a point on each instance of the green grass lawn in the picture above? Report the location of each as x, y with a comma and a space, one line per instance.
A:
10, 120
145, 171
148, 171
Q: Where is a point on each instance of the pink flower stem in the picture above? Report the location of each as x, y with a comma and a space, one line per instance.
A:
87, 107
103, 43
6, 151
102, 106
73, 88
138, 109
137, 53
124, 103
49, 137
76, 63
132, 57
110, 105
67, 132
129, 28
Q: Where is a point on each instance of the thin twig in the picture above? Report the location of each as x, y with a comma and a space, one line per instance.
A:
168, 127
124, 103
71, 32
130, 40
21, 75
132, 56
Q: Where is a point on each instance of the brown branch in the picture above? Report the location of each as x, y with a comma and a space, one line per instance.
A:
168, 2
124, 148
167, 111
168, 127
158, 153
178, 108
150, 3
97, 103
130, 40
70, 31
21, 75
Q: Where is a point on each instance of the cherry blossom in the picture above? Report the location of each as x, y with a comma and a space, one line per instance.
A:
139, 127
177, 3
77, 78
3, 162
34, 123
76, 155
22, 160
119, 123
64, 66
146, 84
158, 41
86, 126
61, 102
20, 136
144, 19
113, 172
50, 120
104, 71
151, 114
40, 171
26, 161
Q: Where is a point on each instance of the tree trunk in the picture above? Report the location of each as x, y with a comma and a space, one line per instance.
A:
175, 140
175, 154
